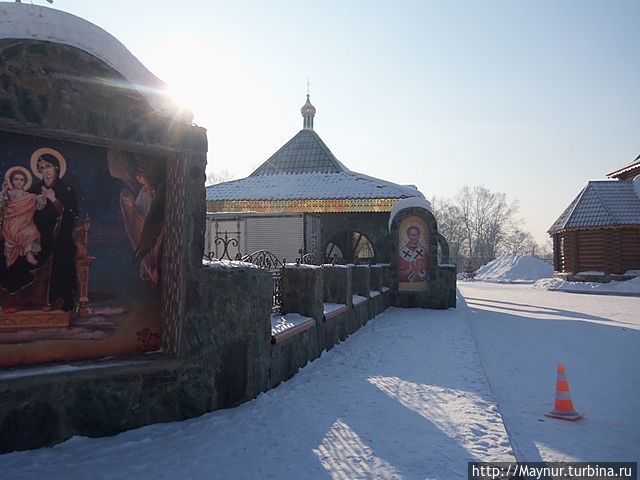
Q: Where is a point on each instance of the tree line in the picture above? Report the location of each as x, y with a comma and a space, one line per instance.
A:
481, 225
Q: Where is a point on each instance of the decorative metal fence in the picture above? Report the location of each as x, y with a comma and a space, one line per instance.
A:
225, 242
306, 258
268, 261
265, 260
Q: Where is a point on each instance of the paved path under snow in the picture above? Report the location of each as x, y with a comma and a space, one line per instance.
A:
522, 332
404, 397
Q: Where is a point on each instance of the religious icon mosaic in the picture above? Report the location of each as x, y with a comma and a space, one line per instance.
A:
413, 254
81, 240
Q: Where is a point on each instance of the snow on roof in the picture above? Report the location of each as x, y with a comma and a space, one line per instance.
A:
419, 202
308, 186
602, 203
634, 165
304, 168
35, 22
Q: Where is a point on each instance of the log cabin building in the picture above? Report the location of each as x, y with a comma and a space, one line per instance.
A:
597, 237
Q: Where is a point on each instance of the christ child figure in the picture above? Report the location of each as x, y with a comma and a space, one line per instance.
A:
21, 236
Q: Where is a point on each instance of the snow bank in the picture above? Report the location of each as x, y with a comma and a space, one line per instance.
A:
626, 287
510, 268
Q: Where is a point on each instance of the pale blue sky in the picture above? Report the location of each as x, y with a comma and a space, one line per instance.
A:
528, 98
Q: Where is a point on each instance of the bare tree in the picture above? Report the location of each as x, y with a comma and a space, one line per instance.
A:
520, 242
477, 223
218, 177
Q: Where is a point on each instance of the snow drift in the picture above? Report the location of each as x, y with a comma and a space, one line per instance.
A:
510, 268
627, 287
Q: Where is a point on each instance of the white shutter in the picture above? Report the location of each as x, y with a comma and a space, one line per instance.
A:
282, 236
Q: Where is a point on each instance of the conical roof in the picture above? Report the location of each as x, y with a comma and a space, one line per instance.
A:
601, 203
304, 176
304, 153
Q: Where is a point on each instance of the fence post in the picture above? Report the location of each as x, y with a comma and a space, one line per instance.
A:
302, 290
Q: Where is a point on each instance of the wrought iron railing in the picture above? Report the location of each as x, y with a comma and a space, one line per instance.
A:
268, 261
263, 259
225, 242
306, 258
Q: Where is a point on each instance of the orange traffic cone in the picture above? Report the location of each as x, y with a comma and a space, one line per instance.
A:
563, 406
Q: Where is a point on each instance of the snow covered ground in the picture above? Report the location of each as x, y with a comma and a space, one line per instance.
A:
522, 332
413, 394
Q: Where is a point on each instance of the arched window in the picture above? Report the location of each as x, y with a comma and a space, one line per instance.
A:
348, 245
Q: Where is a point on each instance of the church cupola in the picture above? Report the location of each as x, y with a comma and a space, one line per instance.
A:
308, 112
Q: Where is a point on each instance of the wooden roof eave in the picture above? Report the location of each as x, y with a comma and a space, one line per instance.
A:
627, 168
304, 205
599, 227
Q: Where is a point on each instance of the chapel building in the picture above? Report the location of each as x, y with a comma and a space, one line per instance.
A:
303, 197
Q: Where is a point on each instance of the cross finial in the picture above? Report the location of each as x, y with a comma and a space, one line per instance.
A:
308, 86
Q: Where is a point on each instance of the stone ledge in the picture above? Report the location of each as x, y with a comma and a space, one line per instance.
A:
335, 313
293, 331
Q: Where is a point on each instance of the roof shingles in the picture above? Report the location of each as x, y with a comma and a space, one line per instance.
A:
304, 168
304, 153
601, 203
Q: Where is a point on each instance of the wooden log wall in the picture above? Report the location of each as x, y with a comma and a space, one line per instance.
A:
630, 248
612, 251
591, 250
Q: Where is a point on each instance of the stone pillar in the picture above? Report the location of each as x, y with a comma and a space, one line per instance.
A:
302, 290
338, 284
361, 280
377, 272
387, 280
229, 320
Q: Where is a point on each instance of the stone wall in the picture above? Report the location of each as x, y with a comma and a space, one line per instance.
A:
43, 87
335, 284
224, 360
225, 357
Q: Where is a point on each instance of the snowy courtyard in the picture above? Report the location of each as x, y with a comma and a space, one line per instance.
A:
414, 394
